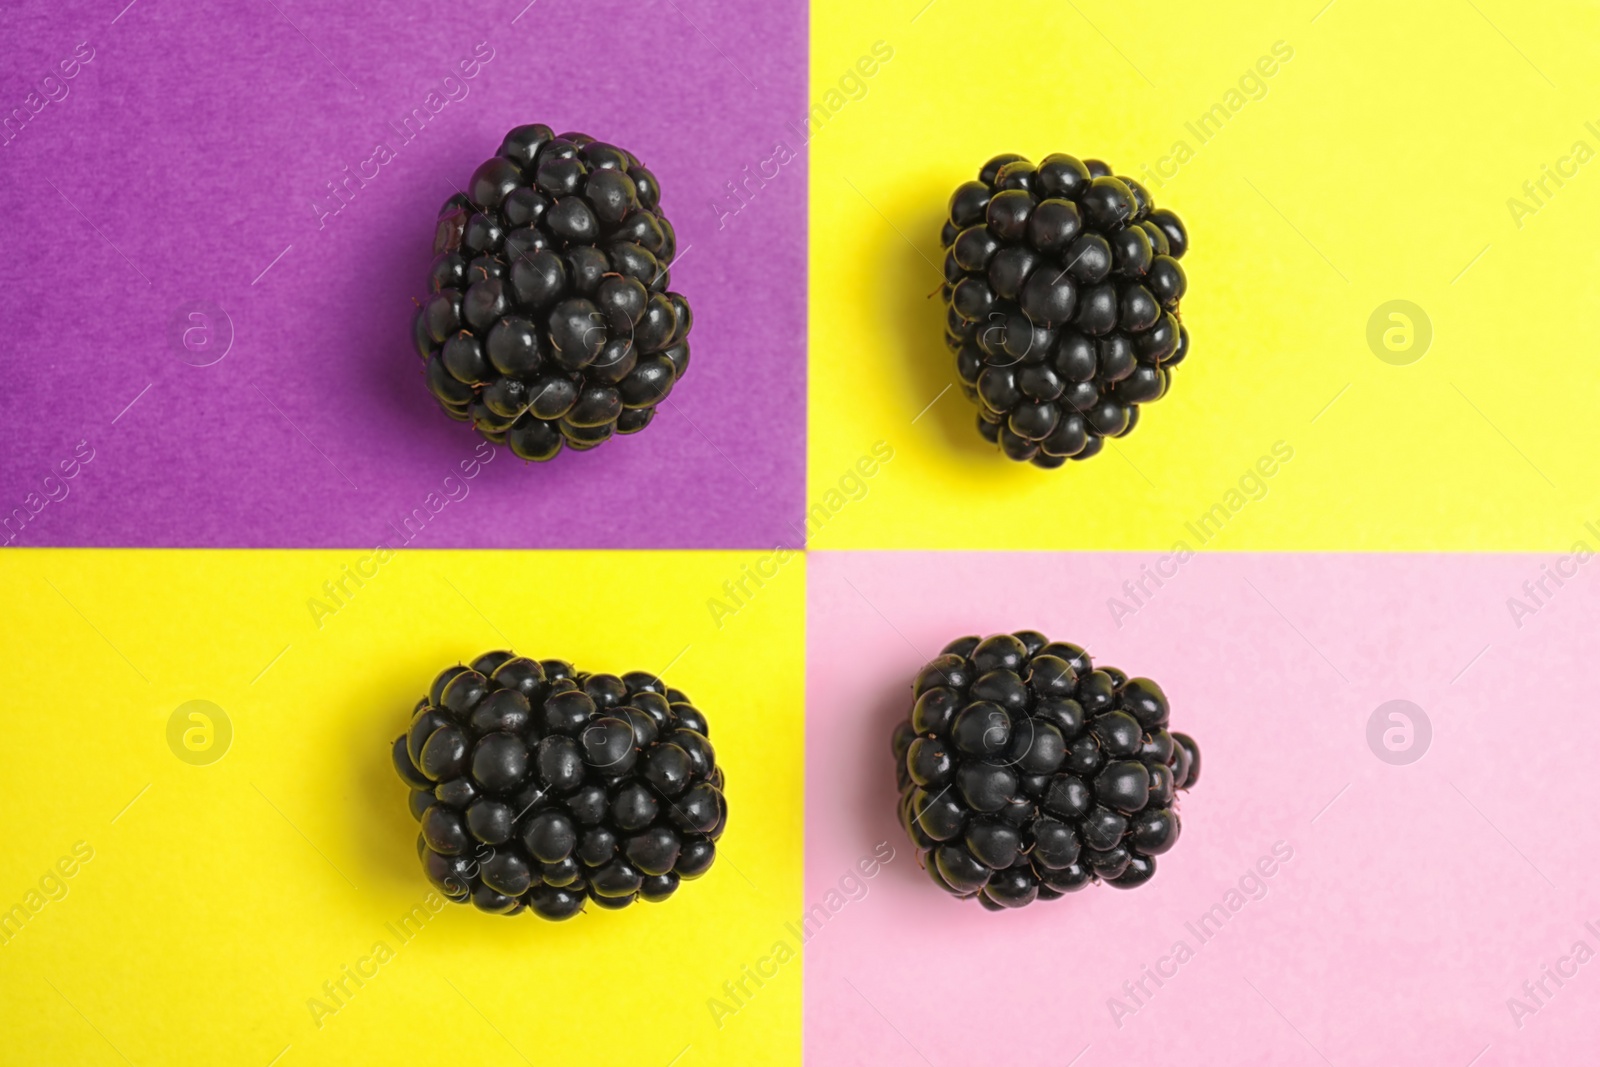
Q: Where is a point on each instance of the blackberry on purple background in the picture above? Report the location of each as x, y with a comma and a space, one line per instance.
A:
550, 321
539, 787
1025, 772
1061, 291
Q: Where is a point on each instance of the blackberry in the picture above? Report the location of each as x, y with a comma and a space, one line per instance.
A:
540, 787
1025, 772
1061, 290
550, 321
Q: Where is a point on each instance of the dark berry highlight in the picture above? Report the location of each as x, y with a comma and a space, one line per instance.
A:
1062, 290
542, 788
550, 322
1025, 772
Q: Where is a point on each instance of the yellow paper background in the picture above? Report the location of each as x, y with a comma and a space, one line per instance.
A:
219, 903
1376, 167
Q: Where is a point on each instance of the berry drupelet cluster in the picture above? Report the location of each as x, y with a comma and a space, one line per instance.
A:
539, 787
1026, 772
1061, 288
551, 323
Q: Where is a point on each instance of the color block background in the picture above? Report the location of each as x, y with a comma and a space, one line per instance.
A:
220, 898
806, 157
182, 167
1374, 165
1417, 900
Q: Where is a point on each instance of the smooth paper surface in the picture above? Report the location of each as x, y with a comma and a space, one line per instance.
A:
210, 162
1329, 160
1360, 911
220, 897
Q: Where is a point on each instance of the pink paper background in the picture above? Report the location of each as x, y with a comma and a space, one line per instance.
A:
185, 158
1405, 918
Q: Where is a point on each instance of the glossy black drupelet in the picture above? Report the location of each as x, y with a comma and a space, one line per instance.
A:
1062, 288
1025, 772
550, 323
541, 788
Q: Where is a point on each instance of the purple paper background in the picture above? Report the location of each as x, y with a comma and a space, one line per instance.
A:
187, 154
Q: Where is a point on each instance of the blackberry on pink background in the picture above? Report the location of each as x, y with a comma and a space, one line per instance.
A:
1026, 772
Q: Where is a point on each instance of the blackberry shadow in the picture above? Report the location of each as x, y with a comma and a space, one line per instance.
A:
917, 318
384, 366
384, 833
875, 797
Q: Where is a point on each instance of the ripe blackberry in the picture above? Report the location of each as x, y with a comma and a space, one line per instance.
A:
540, 787
1026, 772
550, 322
1061, 290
